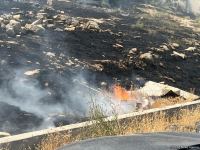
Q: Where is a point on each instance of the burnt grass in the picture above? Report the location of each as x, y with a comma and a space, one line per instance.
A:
137, 30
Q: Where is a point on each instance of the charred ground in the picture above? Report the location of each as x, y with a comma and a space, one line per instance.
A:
103, 44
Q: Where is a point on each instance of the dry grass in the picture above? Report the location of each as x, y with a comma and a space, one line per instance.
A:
162, 102
182, 120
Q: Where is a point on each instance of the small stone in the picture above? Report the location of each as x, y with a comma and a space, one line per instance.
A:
15, 25
50, 26
164, 47
133, 50
59, 30
41, 15
146, 56
92, 25
10, 31
1, 20
175, 45
63, 17
72, 28
16, 17
18, 36
37, 22
50, 54
118, 45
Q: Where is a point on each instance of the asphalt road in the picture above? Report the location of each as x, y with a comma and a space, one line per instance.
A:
157, 141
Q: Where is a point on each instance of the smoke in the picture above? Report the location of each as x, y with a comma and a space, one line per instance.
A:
188, 6
27, 94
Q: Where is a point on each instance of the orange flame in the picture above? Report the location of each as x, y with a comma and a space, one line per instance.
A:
121, 93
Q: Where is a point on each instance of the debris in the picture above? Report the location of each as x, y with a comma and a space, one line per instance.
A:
32, 72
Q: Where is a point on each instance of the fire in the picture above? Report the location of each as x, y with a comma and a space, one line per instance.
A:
122, 94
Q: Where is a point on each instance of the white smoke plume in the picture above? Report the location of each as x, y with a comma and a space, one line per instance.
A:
25, 93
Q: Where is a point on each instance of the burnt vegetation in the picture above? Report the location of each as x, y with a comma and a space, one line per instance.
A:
101, 43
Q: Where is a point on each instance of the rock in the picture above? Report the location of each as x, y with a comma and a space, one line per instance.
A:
91, 25
164, 47
132, 51
191, 49
50, 26
62, 17
75, 22
59, 30
6, 21
62, 12
15, 25
70, 28
18, 36
175, 45
32, 72
37, 22
50, 54
1, 20
3, 26
181, 55
38, 29
16, 17
41, 15
4, 134
10, 31
49, 2
118, 45
47, 21
146, 56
